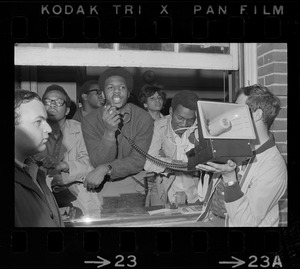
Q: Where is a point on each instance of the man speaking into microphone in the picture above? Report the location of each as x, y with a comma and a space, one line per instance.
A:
109, 151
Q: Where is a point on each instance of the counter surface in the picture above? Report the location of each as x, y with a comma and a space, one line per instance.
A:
152, 216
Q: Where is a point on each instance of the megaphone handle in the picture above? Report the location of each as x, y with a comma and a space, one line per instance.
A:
202, 141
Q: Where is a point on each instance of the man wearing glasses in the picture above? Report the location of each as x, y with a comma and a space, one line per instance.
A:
90, 98
66, 158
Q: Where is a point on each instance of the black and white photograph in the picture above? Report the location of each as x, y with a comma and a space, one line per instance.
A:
151, 135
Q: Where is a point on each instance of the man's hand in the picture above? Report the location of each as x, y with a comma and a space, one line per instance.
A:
95, 177
62, 166
57, 180
111, 117
218, 168
227, 170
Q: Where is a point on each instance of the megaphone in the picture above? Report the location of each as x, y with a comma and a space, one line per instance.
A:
225, 130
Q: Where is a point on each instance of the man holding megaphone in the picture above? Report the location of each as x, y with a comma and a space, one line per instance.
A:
248, 195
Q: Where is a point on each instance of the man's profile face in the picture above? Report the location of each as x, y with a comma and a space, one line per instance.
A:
31, 134
242, 99
182, 117
116, 91
94, 96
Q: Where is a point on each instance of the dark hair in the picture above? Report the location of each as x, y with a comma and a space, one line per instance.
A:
58, 88
22, 97
85, 87
186, 98
149, 90
116, 71
260, 97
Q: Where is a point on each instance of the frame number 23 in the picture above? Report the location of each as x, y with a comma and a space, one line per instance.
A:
129, 261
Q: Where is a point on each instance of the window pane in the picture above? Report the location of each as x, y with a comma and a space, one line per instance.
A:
75, 45
147, 46
105, 45
46, 45
69, 45
218, 48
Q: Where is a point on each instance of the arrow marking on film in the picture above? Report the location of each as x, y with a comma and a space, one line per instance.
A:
236, 263
101, 263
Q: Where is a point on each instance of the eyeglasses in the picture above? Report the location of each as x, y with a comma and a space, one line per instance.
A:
57, 102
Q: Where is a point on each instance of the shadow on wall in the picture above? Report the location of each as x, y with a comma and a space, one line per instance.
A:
134, 99
73, 109
166, 107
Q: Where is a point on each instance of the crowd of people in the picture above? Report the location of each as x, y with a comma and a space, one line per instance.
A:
67, 166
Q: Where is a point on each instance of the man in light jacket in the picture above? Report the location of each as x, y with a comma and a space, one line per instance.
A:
250, 193
174, 135
66, 157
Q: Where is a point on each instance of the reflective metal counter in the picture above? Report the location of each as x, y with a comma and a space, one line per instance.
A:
153, 216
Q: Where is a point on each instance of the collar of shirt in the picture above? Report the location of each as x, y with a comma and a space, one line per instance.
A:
126, 112
52, 135
160, 117
182, 143
243, 167
29, 166
22, 165
28, 162
185, 135
268, 144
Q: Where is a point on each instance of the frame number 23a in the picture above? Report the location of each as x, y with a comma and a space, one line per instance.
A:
264, 262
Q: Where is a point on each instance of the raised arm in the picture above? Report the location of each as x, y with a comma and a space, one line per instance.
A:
134, 162
100, 144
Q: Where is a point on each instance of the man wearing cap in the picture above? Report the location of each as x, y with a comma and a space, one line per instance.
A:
110, 153
66, 158
90, 98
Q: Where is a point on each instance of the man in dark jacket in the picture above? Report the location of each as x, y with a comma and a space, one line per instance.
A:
109, 151
90, 98
35, 205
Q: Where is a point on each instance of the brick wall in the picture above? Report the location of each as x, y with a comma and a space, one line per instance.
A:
272, 73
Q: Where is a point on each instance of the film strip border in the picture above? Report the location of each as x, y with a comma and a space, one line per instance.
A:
165, 20
156, 248
148, 21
